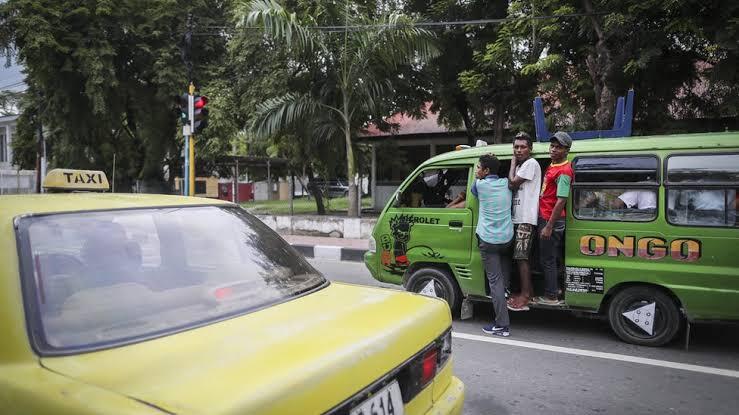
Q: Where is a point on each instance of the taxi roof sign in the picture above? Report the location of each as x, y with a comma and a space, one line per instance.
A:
70, 180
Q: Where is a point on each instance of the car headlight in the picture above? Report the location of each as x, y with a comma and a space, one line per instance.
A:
372, 244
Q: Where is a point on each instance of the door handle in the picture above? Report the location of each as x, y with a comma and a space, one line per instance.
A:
455, 225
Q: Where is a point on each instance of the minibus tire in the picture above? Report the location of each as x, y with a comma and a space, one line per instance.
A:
667, 319
445, 286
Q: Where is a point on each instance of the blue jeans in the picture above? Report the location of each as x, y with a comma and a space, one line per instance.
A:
498, 273
550, 251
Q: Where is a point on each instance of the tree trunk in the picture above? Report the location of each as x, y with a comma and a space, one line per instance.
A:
351, 168
315, 190
600, 65
499, 122
469, 128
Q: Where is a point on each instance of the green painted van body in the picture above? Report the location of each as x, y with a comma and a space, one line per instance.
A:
698, 266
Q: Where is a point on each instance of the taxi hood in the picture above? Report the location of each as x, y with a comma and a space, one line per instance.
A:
310, 353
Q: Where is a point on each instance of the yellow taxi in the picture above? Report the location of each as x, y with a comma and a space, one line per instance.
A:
154, 304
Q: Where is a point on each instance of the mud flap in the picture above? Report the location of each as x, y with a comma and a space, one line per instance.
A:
467, 309
687, 334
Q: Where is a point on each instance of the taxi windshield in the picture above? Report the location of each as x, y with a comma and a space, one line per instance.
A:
97, 279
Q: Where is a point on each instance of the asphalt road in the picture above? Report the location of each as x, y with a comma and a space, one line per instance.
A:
556, 363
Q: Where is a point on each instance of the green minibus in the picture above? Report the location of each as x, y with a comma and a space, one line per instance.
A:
648, 269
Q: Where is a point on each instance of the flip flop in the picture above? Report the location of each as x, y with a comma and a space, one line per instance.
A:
517, 304
548, 301
514, 308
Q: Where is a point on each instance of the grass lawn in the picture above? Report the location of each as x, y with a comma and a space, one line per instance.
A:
301, 206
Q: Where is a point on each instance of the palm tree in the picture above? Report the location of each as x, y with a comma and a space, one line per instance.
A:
358, 61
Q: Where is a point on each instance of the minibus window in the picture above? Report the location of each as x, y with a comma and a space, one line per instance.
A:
619, 169
702, 207
436, 188
702, 189
616, 188
703, 169
621, 204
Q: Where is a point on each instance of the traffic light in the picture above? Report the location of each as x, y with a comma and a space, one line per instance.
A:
200, 113
181, 101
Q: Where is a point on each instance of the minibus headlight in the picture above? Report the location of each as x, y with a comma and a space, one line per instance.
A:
372, 244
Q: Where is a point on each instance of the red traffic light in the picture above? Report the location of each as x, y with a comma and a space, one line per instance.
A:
200, 101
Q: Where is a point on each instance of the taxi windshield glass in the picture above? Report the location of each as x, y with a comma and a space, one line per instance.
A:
101, 278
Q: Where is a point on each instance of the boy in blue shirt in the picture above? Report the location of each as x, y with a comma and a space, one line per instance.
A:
495, 235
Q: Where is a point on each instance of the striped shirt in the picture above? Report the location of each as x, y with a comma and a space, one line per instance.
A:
494, 224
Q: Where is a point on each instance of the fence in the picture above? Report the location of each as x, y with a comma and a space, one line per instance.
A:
17, 181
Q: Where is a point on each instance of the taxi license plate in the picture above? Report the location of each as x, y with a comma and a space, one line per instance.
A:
387, 401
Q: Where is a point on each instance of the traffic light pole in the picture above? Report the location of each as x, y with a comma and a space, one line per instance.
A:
191, 142
194, 118
186, 170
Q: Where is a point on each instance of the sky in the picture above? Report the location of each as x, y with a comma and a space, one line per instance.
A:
11, 78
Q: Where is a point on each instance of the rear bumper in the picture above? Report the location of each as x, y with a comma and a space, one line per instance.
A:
451, 401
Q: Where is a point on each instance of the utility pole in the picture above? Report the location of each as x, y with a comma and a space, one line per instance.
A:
39, 161
41, 153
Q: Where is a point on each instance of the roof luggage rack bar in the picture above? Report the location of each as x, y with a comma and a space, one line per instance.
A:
621, 122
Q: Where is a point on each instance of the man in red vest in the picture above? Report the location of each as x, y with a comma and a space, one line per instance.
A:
554, 193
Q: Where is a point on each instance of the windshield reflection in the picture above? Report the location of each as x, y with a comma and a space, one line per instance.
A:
105, 277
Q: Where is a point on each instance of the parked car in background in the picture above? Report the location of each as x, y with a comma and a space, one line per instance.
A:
333, 188
155, 304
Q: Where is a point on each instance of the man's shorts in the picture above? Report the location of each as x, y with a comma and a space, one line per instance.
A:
524, 240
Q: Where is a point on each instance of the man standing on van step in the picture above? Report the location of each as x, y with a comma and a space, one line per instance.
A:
524, 178
554, 193
494, 235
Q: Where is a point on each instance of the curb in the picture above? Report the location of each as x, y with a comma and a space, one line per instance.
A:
336, 253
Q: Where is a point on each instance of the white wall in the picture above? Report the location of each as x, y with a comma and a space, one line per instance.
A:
17, 181
334, 226
260, 190
7, 129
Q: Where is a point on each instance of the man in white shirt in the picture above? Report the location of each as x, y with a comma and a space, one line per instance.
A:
637, 199
707, 200
708, 207
524, 178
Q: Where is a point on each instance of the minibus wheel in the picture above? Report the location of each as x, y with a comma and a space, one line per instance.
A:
644, 315
438, 283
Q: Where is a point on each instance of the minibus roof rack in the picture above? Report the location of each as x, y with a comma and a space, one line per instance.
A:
621, 122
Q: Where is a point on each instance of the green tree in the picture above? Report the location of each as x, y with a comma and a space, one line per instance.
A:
256, 71
456, 104
9, 102
581, 54
714, 30
101, 75
358, 65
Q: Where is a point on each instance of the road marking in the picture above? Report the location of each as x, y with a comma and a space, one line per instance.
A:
610, 356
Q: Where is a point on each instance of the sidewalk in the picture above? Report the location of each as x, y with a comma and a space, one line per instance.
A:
339, 249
